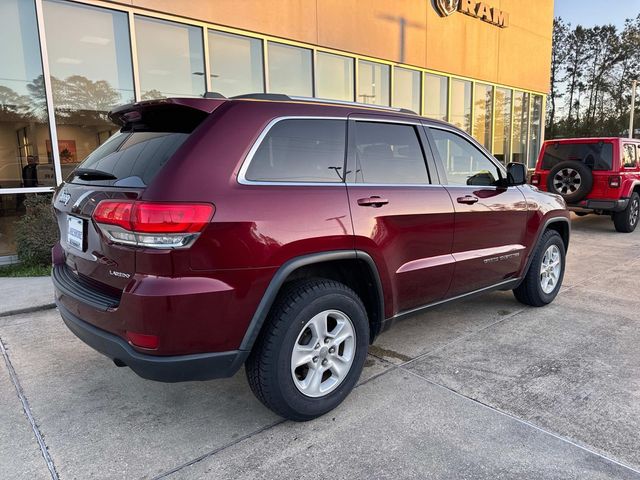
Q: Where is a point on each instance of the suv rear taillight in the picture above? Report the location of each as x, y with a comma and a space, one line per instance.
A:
152, 225
535, 179
615, 181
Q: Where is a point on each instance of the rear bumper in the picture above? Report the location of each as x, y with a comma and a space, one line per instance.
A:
604, 205
176, 368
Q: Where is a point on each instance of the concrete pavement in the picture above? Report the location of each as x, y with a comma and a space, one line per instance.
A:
480, 389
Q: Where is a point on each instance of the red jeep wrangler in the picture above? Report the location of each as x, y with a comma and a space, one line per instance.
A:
285, 235
594, 175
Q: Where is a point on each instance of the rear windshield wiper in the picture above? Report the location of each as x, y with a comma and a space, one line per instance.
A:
91, 174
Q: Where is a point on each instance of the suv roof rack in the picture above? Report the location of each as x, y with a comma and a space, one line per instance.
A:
282, 97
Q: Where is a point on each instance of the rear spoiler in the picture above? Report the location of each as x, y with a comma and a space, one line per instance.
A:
169, 114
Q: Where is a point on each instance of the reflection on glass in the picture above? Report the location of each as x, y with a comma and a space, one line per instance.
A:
435, 96
520, 126
460, 114
406, 89
290, 70
536, 125
502, 133
483, 98
236, 64
24, 132
170, 59
334, 77
90, 68
373, 83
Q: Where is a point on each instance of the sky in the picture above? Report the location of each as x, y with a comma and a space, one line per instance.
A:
596, 12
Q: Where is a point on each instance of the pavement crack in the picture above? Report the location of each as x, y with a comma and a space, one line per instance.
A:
27, 411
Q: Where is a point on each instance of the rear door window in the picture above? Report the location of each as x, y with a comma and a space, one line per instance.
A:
629, 158
598, 156
132, 156
389, 153
300, 150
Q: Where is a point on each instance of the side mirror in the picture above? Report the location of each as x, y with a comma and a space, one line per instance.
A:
516, 174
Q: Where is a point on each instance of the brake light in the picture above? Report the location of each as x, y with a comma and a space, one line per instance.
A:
143, 340
615, 181
535, 179
155, 225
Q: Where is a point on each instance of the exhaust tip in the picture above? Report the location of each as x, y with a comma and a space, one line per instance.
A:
119, 363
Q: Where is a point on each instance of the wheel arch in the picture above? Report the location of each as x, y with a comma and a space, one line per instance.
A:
356, 269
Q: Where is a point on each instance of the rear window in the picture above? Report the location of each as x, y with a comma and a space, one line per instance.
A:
598, 156
134, 158
300, 150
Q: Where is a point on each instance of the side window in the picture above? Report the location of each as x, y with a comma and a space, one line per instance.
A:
464, 163
389, 153
301, 150
629, 155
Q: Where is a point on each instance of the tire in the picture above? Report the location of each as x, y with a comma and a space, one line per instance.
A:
626, 221
295, 321
571, 179
531, 290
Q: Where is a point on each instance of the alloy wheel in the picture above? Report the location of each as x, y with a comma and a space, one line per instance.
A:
634, 213
550, 269
567, 181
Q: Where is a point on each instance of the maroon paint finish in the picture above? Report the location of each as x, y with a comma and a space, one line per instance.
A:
425, 245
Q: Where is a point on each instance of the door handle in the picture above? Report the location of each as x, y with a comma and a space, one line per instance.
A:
374, 201
468, 199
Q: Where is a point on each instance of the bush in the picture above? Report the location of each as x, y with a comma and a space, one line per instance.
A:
36, 231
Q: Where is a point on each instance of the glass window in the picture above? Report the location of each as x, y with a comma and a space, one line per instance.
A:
520, 126
460, 114
389, 153
629, 155
334, 77
170, 59
91, 73
483, 98
301, 151
24, 131
373, 83
599, 155
290, 70
436, 96
536, 133
236, 64
464, 163
502, 133
406, 89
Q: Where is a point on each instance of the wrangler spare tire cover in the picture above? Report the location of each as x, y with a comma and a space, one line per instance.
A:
571, 179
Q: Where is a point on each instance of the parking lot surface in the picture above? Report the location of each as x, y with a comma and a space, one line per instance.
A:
484, 388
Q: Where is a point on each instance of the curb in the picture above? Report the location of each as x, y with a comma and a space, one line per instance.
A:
21, 311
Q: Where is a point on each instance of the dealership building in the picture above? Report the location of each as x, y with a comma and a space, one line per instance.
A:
483, 66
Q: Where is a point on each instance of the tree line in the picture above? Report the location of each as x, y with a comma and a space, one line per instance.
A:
591, 74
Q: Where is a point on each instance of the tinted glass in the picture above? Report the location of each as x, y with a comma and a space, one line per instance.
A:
520, 127
24, 132
502, 133
460, 114
91, 72
373, 83
435, 96
483, 111
290, 70
389, 154
334, 77
599, 156
300, 151
236, 64
406, 89
170, 59
536, 126
135, 156
464, 163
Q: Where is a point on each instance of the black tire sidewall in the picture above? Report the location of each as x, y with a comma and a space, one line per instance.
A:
585, 174
626, 215
302, 406
553, 239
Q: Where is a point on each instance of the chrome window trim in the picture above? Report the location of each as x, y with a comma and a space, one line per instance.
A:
242, 179
358, 117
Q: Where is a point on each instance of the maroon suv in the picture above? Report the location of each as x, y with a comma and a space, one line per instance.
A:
286, 234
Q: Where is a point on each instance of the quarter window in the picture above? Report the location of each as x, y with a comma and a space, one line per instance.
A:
389, 154
628, 155
464, 163
300, 150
